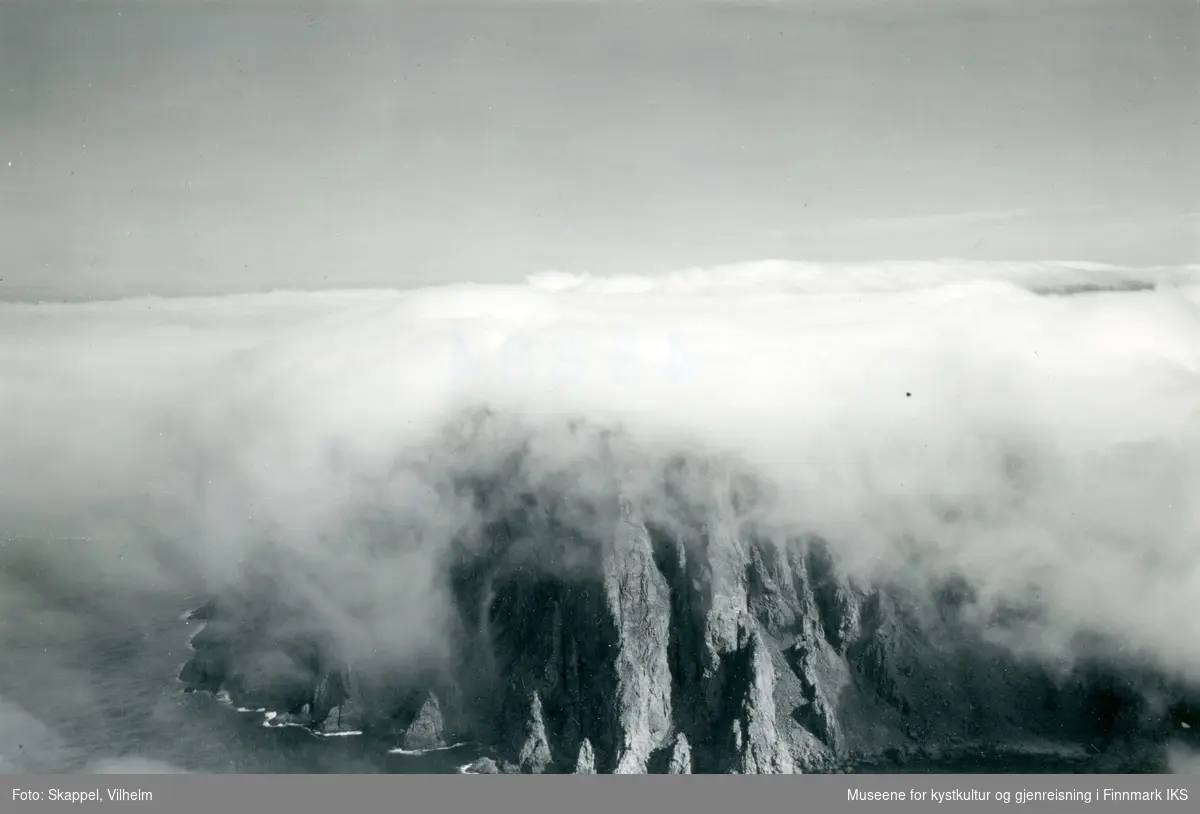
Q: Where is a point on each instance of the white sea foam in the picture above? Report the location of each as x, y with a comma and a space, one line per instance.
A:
418, 752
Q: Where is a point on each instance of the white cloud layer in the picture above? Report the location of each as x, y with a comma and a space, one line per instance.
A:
1026, 439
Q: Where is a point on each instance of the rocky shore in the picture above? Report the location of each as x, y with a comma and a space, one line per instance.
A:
696, 648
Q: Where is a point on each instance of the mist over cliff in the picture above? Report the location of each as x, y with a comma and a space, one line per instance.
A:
775, 517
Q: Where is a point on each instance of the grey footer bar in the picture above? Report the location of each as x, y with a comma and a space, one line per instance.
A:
584, 794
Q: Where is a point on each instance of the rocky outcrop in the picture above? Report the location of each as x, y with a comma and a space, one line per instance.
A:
757, 747
334, 708
586, 762
534, 754
608, 635
681, 756
483, 765
425, 732
639, 604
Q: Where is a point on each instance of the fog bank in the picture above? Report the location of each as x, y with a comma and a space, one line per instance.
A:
1033, 428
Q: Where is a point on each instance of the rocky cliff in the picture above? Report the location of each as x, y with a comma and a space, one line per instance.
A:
606, 636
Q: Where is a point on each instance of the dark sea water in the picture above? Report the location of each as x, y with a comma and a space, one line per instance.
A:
88, 676
89, 660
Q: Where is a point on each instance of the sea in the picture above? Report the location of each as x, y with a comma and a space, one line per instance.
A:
89, 666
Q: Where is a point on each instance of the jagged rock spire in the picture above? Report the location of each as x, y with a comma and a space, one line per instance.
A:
681, 756
586, 762
639, 600
425, 732
534, 755
757, 746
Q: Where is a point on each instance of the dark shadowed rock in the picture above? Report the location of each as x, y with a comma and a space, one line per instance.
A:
335, 710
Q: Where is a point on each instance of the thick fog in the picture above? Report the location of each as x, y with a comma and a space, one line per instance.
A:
1034, 428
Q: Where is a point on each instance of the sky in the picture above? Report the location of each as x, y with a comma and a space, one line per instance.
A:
182, 147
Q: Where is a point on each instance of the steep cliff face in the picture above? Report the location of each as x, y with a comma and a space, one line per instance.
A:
689, 646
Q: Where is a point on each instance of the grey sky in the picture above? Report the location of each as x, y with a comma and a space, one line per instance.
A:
181, 147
